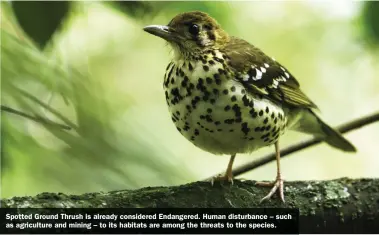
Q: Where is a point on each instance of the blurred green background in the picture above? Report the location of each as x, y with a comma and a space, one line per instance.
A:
89, 65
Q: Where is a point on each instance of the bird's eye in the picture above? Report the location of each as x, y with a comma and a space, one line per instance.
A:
194, 29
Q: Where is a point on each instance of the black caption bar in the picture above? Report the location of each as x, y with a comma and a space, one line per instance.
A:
143, 220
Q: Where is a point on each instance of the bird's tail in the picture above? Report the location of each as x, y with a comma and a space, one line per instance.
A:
335, 139
310, 123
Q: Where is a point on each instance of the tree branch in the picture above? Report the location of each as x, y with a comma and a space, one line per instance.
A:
45, 106
34, 118
352, 125
335, 206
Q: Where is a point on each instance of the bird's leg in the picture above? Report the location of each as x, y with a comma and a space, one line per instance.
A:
278, 183
228, 176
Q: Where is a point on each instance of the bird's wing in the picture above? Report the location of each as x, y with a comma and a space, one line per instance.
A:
263, 75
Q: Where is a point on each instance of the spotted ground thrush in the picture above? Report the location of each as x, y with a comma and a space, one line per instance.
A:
227, 97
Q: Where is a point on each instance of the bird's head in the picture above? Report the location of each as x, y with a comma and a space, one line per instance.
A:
191, 33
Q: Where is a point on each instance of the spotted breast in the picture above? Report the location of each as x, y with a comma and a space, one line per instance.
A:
215, 111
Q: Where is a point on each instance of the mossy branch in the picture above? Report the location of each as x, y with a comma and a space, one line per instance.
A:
335, 206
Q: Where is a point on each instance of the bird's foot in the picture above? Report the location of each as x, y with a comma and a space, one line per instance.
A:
277, 184
221, 178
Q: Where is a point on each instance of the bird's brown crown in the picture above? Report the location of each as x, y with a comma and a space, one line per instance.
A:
192, 33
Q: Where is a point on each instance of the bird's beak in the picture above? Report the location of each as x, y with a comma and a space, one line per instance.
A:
161, 31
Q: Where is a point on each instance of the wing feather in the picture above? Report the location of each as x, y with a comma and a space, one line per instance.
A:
263, 75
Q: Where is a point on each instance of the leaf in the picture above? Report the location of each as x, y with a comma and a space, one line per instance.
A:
40, 19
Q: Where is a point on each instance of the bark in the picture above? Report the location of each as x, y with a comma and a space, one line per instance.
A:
335, 206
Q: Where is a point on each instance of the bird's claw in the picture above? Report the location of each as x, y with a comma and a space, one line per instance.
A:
221, 178
277, 184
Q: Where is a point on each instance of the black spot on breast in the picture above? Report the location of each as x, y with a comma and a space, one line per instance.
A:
261, 113
169, 76
168, 66
206, 96
175, 93
267, 110
218, 59
196, 132
206, 68
215, 91
234, 98
265, 136
237, 110
229, 121
209, 110
227, 108
208, 118
213, 101
190, 68
265, 121
273, 129
244, 128
225, 91
218, 81
233, 88
217, 123
246, 101
211, 62
209, 80
200, 85
180, 130
221, 71
253, 113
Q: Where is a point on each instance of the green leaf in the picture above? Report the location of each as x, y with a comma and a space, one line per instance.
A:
40, 20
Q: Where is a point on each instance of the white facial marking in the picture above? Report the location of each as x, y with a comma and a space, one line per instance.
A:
282, 68
263, 70
266, 65
287, 75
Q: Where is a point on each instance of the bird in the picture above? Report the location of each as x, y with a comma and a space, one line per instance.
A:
228, 97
